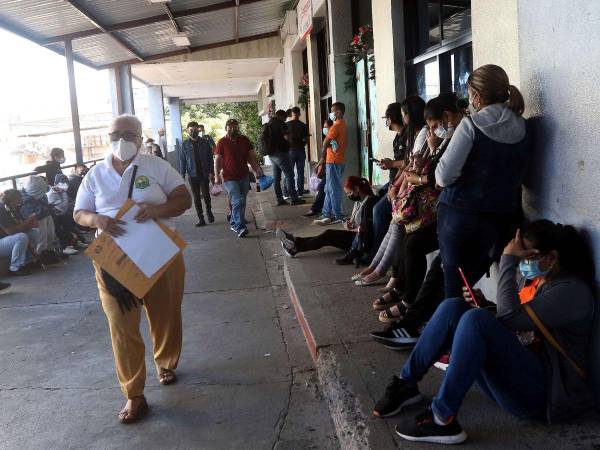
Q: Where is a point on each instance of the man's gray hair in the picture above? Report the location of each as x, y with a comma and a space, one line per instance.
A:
131, 119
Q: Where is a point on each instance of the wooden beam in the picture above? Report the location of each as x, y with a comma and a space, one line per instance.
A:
103, 29
146, 21
73, 99
197, 48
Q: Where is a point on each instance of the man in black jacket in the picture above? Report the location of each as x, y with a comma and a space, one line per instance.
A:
196, 160
298, 132
52, 166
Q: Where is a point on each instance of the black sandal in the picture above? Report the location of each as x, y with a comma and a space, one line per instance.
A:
381, 303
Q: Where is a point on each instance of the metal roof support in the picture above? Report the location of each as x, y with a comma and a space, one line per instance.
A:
236, 32
103, 29
174, 22
73, 98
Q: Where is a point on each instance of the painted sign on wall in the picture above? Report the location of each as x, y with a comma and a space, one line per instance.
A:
304, 12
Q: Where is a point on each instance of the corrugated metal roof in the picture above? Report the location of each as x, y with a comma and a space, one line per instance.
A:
43, 18
109, 12
211, 27
150, 39
262, 17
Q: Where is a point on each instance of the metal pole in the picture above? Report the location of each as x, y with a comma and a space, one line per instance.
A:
73, 98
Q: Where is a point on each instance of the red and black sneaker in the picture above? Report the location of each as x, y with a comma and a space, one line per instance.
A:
424, 429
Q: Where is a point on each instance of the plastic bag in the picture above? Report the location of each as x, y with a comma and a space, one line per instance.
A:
216, 190
313, 183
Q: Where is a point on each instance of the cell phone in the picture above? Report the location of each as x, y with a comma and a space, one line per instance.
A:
468, 286
374, 160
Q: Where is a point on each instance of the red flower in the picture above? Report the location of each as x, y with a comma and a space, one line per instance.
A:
355, 40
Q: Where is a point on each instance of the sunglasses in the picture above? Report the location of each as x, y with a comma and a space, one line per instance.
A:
129, 136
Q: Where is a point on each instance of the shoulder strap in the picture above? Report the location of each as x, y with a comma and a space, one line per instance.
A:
131, 183
553, 342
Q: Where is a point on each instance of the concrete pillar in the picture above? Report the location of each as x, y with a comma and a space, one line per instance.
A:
388, 36
340, 35
314, 92
121, 90
157, 111
175, 136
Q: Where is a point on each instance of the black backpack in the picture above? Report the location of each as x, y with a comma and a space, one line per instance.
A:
266, 140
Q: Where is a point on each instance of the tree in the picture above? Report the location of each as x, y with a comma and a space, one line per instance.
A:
214, 116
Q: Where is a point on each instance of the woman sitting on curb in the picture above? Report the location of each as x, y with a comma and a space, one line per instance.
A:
354, 239
526, 381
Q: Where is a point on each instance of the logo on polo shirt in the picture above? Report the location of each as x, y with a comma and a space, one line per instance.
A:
142, 182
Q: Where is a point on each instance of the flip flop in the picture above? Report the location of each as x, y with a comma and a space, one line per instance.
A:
166, 377
363, 282
127, 417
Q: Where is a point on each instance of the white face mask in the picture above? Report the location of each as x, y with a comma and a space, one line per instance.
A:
124, 150
332, 116
472, 109
201, 133
325, 131
61, 160
441, 132
62, 186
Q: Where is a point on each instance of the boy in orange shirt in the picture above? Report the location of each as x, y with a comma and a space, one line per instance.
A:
334, 159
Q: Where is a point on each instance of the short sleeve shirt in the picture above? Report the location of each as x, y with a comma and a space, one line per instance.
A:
339, 133
235, 153
104, 191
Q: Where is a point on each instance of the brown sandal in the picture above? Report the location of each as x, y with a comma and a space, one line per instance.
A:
127, 417
382, 302
166, 376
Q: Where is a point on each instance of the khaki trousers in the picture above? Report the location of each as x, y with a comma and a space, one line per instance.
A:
163, 310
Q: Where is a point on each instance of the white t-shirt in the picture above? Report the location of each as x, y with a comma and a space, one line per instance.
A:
104, 191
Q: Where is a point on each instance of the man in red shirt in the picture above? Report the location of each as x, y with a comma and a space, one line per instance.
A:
233, 153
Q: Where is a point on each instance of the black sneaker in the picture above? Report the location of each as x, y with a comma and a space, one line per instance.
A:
298, 201
397, 395
312, 213
201, 222
424, 429
23, 271
4, 287
210, 217
282, 203
397, 337
288, 242
228, 217
242, 233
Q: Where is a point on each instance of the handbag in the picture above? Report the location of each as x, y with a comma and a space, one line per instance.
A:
553, 342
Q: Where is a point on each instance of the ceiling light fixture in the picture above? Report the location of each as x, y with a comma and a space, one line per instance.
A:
181, 40
160, 1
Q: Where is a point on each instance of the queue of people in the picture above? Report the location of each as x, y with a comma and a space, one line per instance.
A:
455, 186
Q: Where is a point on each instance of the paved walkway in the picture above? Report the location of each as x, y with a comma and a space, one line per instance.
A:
246, 380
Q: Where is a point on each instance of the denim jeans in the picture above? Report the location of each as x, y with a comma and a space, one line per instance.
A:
382, 216
238, 190
334, 191
15, 247
298, 159
282, 163
467, 240
482, 350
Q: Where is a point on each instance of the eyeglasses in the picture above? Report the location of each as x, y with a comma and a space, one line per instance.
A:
129, 136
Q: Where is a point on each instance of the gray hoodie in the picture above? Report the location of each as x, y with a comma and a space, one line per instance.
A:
497, 121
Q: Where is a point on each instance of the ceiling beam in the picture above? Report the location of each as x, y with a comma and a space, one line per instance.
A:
146, 21
195, 49
236, 32
103, 29
176, 26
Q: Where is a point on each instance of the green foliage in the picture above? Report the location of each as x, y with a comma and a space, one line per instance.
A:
214, 115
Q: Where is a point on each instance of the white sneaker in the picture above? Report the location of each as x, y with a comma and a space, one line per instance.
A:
70, 250
323, 222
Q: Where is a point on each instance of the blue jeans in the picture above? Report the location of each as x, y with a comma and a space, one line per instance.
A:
467, 240
15, 246
238, 190
298, 159
483, 350
282, 163
382, 216
332, 207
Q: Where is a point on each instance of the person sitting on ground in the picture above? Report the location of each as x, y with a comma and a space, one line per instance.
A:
35, 202
52, 166
152, 148
420, 228
533, 381
65, 226
317, 206
18, 236
75, 179
354, 239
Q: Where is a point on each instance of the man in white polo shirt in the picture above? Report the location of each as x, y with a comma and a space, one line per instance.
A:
160, 192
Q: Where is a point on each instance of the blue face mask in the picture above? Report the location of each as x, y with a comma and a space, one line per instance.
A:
332, 116
531, 270
325, 131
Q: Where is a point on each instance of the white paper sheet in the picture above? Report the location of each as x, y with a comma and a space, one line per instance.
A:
145, 243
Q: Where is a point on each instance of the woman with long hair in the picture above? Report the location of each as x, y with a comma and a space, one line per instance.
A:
526, 376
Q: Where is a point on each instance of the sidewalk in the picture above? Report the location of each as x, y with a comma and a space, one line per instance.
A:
336, 318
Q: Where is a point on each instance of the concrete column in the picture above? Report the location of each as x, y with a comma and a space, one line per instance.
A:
121, 90
388, 36
314, 109
175, 136
340, 35
157, 111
